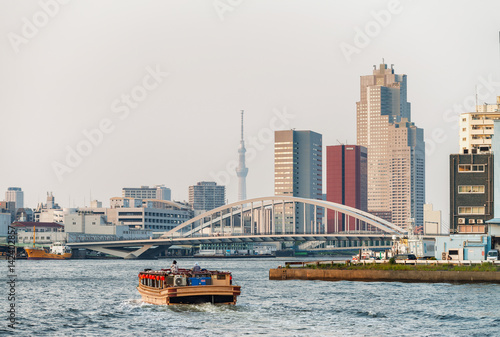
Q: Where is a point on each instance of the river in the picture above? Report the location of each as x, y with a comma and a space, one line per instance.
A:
99, 298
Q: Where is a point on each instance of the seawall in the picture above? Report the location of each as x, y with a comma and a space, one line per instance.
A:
383, 275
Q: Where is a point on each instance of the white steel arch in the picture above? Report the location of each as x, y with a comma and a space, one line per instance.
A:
261, 215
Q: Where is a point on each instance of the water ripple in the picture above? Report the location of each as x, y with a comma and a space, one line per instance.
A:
96, 298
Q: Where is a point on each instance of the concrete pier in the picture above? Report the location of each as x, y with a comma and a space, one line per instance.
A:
384, 275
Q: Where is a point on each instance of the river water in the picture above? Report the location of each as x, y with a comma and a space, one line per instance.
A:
99, 298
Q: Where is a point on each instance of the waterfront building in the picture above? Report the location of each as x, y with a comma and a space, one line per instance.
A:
298, 172
462, 247
84, 225
432, 220
77, 227
242, 170
494, 224
346, 183
471, 192
207, 195
45, 232
16, 195
396, 149
159, 192
155, 215
476, 128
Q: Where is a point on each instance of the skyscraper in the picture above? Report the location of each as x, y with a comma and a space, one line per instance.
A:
16, 195
242, 170
346, 183
396, 151
207, 195
298, 172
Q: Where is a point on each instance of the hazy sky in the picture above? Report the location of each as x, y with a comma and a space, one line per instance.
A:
164, 82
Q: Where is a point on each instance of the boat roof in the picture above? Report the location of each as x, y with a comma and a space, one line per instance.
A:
30, 224
185, 271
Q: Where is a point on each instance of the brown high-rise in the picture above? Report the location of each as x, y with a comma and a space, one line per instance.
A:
396, 151
345, 184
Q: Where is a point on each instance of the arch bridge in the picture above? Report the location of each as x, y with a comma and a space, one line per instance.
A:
282, 215
265, 219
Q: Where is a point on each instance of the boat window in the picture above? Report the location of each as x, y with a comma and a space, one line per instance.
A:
221, 277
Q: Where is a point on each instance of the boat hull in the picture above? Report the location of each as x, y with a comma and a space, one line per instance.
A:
38, 254
216, 294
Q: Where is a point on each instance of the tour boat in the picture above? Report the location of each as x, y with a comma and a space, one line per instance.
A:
187, 287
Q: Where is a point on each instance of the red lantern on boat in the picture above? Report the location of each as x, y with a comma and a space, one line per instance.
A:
162, 278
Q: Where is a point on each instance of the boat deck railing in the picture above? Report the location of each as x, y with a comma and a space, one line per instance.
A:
165, 278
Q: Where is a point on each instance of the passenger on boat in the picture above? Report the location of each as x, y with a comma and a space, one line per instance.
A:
196, 267
174, 268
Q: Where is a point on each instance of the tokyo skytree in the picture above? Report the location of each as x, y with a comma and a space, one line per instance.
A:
242, 170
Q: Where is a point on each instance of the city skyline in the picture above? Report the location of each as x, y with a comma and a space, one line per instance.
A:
185, 130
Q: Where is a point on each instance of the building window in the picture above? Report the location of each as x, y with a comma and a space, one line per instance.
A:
471, 210
471, 189
470, 168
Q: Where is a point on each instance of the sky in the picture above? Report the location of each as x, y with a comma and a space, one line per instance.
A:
99, 95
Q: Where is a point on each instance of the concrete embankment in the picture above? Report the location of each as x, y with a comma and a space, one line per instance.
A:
383, 275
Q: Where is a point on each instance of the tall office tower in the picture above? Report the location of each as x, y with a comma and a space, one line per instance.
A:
396, 151
346, 183
407, 173
242, 170
16, 195
476, 128
298, 172
207, 195
159, 192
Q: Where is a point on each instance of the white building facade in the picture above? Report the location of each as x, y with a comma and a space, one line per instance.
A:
155, 215
159, 192
476, 128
